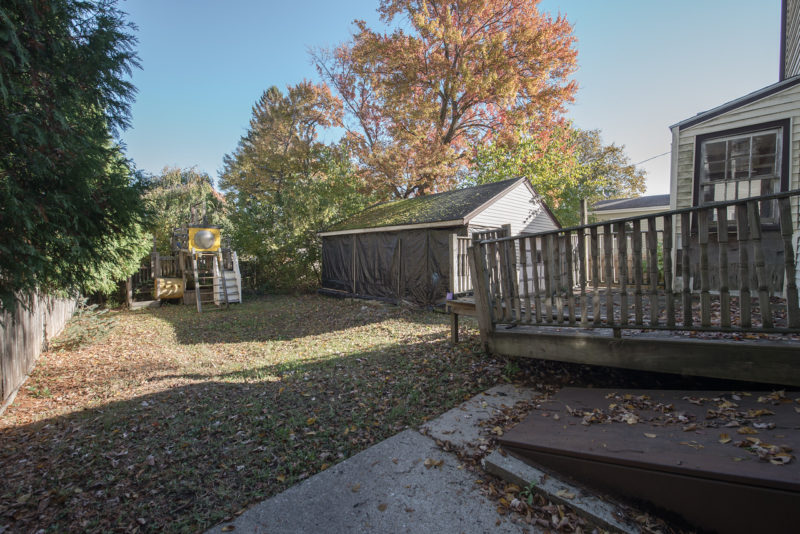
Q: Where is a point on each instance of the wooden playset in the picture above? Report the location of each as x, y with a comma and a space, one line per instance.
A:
200, 270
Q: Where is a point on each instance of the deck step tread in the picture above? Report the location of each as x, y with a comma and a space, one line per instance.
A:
677, 445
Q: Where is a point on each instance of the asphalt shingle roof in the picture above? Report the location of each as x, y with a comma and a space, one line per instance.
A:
650, 201
447, 206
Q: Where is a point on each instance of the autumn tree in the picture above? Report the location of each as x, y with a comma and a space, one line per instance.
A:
286, 185
564, 165
70, 208
465, 73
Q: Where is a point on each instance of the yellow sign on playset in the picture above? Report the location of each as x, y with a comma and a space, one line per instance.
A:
204, 239
168, 288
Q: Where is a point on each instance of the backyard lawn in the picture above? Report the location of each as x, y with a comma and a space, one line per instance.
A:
170, 420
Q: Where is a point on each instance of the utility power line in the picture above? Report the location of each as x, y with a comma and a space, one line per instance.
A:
654, 157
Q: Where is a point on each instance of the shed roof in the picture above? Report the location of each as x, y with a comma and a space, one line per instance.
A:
739, 102
451, 206
651, 201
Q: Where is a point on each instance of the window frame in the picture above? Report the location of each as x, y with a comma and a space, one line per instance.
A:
784, 135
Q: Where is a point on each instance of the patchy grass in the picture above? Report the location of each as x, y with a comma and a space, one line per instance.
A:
173, 420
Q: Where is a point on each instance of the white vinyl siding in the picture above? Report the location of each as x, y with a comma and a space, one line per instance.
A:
516, 207
779, 106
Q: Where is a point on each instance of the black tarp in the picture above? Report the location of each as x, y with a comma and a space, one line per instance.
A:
411, 265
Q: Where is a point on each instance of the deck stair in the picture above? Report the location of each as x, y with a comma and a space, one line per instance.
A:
677, 450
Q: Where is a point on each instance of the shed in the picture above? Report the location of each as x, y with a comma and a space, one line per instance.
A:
400, 250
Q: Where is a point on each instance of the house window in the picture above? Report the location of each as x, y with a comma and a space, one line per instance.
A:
740, 165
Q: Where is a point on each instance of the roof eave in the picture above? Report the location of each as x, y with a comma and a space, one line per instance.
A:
398, 227
731, 105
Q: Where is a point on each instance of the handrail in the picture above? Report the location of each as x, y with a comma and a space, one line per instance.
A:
678, 211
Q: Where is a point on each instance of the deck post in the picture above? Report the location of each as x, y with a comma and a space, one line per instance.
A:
480, 283
724, 280
742, 234
453, 263
754, 219
792, 308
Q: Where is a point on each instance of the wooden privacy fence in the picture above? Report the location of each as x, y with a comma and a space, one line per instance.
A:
727, 266
24, 334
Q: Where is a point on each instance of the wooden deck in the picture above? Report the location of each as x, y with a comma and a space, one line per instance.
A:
688, 452
711, 295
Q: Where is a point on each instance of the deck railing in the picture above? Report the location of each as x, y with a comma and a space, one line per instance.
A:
727, 266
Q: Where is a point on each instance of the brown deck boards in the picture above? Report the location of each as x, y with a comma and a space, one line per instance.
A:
689, 472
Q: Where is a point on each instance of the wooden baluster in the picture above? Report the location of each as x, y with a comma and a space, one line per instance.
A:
702, 240
537, 292
622, 239
555, 247
754, 219
790, 271
570, 277
582, 276
686, 232
742, 235
505, 282
652, 267
491, 250
516, 296
724, 281
669, 297
547, 242
595, 276
608, 246
523, 256
638, 272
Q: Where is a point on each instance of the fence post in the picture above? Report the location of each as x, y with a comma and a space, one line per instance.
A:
480, 284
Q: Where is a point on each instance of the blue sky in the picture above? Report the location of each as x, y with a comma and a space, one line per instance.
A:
643, 66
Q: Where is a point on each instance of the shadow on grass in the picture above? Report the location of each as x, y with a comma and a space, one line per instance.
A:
185, 458
282, 317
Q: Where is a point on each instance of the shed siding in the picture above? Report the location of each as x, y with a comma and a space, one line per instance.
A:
520, 209
791, 56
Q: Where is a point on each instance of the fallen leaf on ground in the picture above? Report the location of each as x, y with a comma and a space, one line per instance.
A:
746, 430
564, 494
649, 435
430, 462
724, 438
781, 458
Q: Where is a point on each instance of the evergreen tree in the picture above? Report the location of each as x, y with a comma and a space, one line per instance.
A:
70, 208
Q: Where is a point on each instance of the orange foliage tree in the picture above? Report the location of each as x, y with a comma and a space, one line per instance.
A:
465, 73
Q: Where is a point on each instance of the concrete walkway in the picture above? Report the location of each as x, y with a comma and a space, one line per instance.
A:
396, 486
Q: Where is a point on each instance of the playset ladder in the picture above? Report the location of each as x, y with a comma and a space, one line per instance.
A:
212, 283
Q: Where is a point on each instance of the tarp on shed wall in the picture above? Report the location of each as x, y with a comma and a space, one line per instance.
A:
376, 264
410, 265
337, 262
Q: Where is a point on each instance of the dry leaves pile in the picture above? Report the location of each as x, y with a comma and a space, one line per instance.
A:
722, 412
